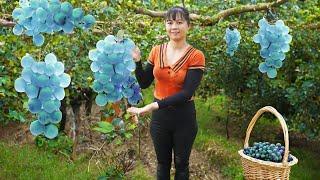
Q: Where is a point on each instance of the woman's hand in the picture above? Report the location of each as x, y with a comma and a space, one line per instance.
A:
144, 110
136, 55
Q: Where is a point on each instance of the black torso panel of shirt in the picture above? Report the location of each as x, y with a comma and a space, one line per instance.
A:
144, 75
191, 82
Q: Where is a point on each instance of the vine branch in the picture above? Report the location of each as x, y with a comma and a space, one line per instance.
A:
206, 20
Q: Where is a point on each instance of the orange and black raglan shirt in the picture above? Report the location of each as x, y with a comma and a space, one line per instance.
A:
174, 84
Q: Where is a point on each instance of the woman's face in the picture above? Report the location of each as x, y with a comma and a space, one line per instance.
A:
177, 29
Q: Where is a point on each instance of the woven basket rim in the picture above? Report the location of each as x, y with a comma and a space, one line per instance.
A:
268, 163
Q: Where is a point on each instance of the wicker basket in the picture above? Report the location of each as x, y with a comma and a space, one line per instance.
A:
259, 169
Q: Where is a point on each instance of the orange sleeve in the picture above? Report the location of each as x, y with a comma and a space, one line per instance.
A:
152, 56
198, 61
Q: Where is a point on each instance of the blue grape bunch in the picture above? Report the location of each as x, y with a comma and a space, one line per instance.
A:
112, 67
44, 84
267, 152
253, 1
249, 1
34, 17
274, 41
232, 38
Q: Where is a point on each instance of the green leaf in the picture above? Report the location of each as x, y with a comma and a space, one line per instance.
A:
127, 116
131, 127
128, 135
118, 141
108, 127
101, 130
104, 127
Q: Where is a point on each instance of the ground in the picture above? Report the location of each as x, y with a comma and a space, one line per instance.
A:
91, 141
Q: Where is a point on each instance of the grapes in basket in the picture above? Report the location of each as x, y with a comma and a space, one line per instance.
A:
266, 151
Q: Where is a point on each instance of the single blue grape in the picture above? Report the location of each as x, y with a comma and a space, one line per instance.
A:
20, 85
44, 117
101, 99
56, 117
38, 39
36, 128
64, 80
45, 94
34, 105
97, 86
59, 93
51, 131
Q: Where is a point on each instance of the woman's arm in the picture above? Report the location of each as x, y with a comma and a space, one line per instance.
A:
144, 75
192, 81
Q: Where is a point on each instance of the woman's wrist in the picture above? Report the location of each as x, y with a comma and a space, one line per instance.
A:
154, 106
137, 60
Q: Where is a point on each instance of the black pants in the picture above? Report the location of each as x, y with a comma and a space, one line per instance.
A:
174, 128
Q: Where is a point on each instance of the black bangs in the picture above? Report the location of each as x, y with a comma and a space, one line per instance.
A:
178, 11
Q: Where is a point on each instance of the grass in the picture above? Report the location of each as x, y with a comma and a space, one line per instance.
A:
222, 152
139, 173
29, 162
307, 167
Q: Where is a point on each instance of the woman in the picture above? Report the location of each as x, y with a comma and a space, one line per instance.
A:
177, 68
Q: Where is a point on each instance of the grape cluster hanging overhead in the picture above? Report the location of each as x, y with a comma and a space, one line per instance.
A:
112, 66
35, 17
44, 84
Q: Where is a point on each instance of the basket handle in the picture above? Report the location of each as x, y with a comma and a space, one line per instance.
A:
283, 125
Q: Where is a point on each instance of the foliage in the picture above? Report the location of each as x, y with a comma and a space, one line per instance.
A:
140, 172
119, 164
61, 144
117, 129
112, 173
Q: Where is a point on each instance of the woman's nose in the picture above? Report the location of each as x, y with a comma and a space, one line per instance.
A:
174, 26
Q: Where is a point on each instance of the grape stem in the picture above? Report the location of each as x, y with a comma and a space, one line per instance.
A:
39, 92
